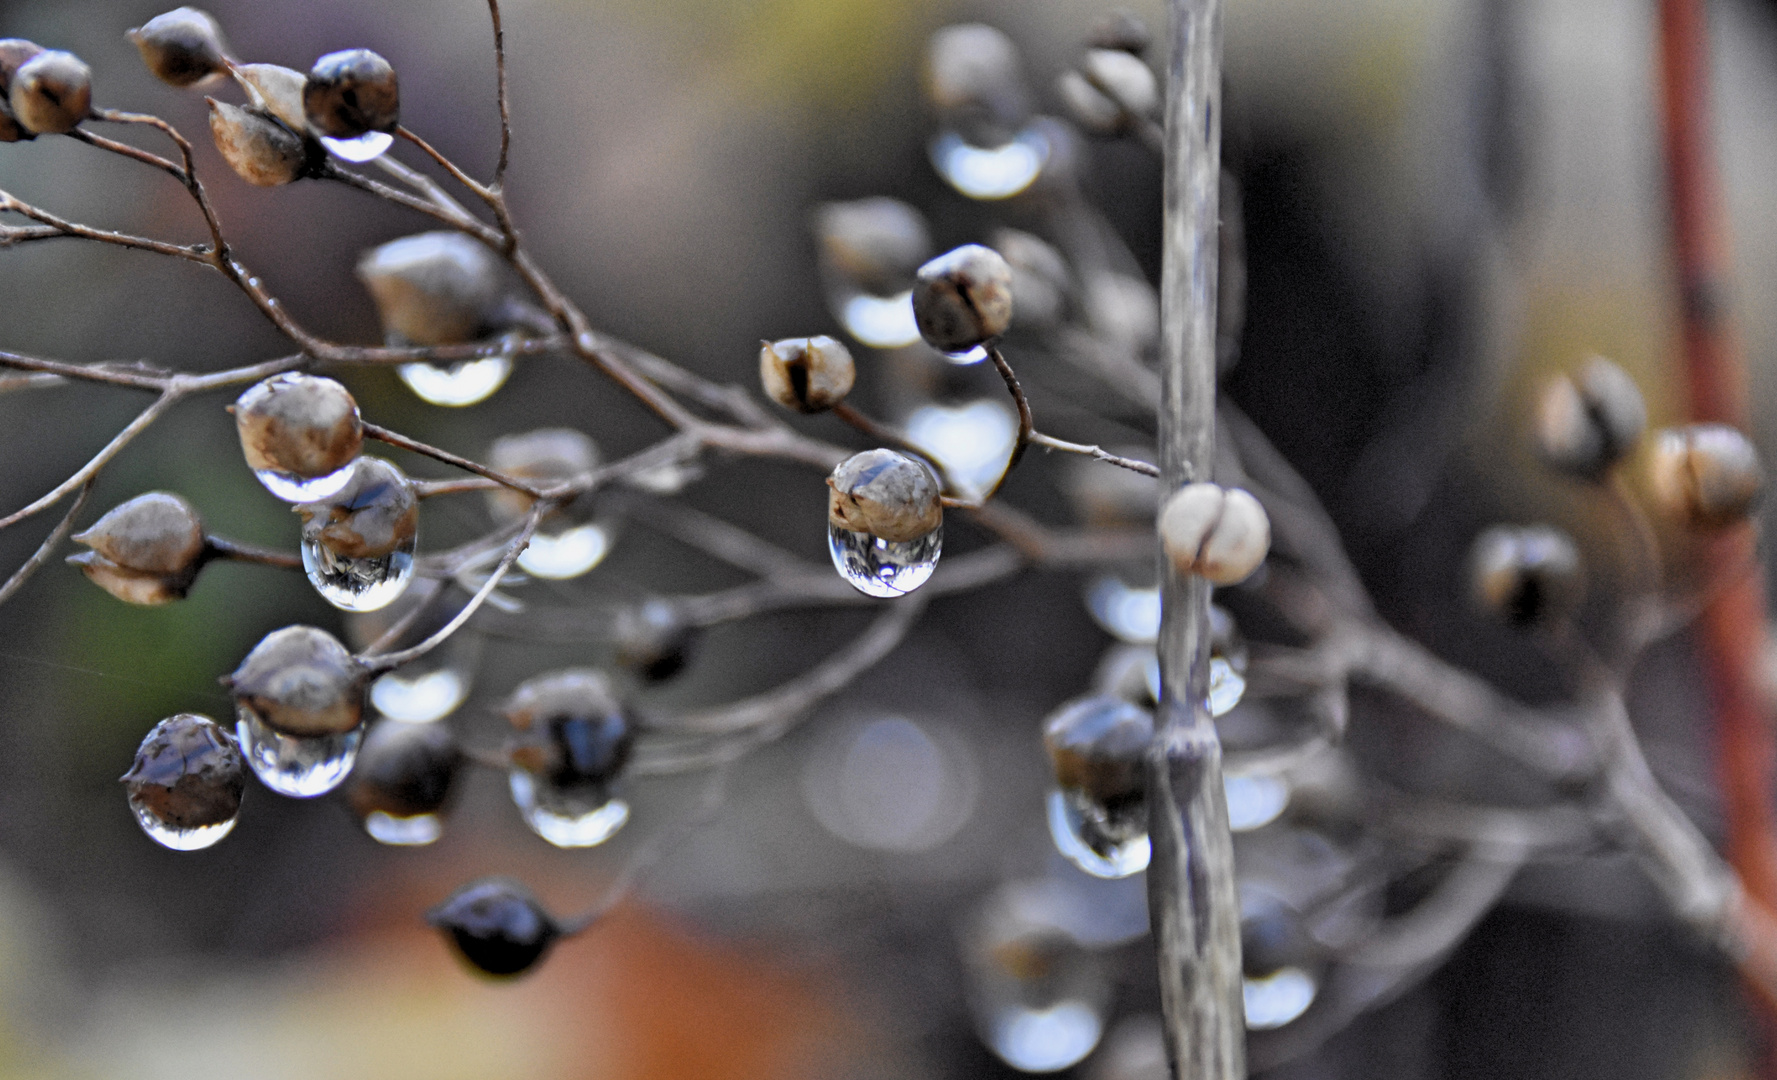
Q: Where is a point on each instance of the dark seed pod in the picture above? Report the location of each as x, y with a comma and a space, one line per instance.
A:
1705, 475
13, 53
1587, 423
188, 775
547, 455
351, 93
1530, 577
884, 494
375, 513
807, 375
301, 681
1096, 746
435, 288
653, 639
404, 770
299, 425
182, 46
496, 925
51, 93
259, 149
875, 244
275, 91
963, 298
145, 551
572, 730
1122, 30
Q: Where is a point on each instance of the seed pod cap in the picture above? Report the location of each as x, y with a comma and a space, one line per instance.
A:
301, 681
885, 494
182, 46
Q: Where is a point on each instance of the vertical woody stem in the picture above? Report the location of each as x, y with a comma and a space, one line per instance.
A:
1191, 895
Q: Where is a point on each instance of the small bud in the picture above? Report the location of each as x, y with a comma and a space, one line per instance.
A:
572, 729
1041, 281
1586, 424
351, 93
547, 455
1097, 746
963, 298
182, 46
435, 288
145, 551
259, 149
1123, 30
375, 513
876, 244
972, 74
186, 783
1705, 475
404, 770
806, 374
653, 639
886, 495
301, 681
276, 91
496, 925
300, 426
51, 93
1530, 576
1219, 533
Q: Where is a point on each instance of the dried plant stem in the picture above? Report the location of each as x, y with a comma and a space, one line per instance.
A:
46, 549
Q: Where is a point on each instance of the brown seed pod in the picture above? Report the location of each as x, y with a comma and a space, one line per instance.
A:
1096, 746
182, 47
1587, 423
1530, 576
51, 93
375, 513
874, 244
300, 425
1706, 475
13, 52
963, 298
301, 681
145, 551
547, 455
259, 149
276, 91
806, 375
188, 774
435, 288
885, 494
404, 770
1219, 533
351, 93
1041, 280
572, 728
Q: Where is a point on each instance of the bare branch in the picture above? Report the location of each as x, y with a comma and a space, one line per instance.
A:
46, 549
99, 461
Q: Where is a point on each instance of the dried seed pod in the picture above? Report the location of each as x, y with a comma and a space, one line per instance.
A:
1705, 475
375, 513
973, 76
572, 729
259, 149
1096, 746
1087, 105
963, 298
1587, 423
1219, 533
1531, 576
547, 455
1124, 78
182, 46
145, 551
298, 426
186, 783
886, 495
496, 925
275, 90
435, 288
653, 639
1123, 30
404, 770
302, 682
807, 375
51, 93
13, 52
351, 93
1041, 281
875, 244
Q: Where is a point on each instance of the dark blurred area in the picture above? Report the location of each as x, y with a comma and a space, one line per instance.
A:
1443, 203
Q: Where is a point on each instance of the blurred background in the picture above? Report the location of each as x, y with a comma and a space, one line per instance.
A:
1444, 202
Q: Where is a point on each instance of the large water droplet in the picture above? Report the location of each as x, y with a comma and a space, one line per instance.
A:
1226, 686
298, 766
366, 147
1045, 1040
881, 322
358, 584
567, 554
1275, 999
419, 699
567, 817
990, 173
885, 568
414, 831
179, 839
1127, 612
297, 489
1254, 799
972, 441
1101, 842
459, 384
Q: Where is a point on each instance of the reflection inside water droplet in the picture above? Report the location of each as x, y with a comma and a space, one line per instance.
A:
1275, 999
420, 699
366, 147
413, 831
972, 441
1104, 842
1046, 1040
996, 173
358, 584
1126, 612
881, 322
966, 357
884, 568
1254, 799
567, 554
1226, 686
296, 489
179, 839
458, 384
576, 817
301, 767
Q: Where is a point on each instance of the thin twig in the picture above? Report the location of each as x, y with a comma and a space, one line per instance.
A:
493, 10
91, 468
1097, 452
47, 548
220, 547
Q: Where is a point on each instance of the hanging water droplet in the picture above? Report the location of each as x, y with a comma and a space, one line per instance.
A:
358, 584
567, 554
366, 147
180, 839
1254, 799
966, 357
1045, 1040
990, 173
419, 699
881, 322
583, 815
1127, 612
300, 767
458, 384
972, 441
1278, 998
1226, 686
296, 489
884, 568
1099, 840
1038, 994
415, 831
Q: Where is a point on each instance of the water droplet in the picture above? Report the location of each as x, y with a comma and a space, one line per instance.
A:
358, 584
1226, 686
253, 283
878, 567
1045, 1040
567, 554
297, 489
966, 357
413, 831
179, 839
419, 699
297, 766
459, 384
1127, 612
881, 322
582, 816
1275, 999
972, 441
990, 173
366, 147
1254, 799
1037, 993
1099, 841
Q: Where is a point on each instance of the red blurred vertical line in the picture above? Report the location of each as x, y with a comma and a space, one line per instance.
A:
1733, 631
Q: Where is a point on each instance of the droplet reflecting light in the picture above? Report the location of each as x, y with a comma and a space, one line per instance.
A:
298, 489
415, 831
366, 147
421, 699
567, 554
972, 441
458, 384
1046, 1040
881, 322
996, 173
180, 839
566, 818
300, 767
1090, 840
1254, 799
884, 568
358, 584
1277, 998
1126, 612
